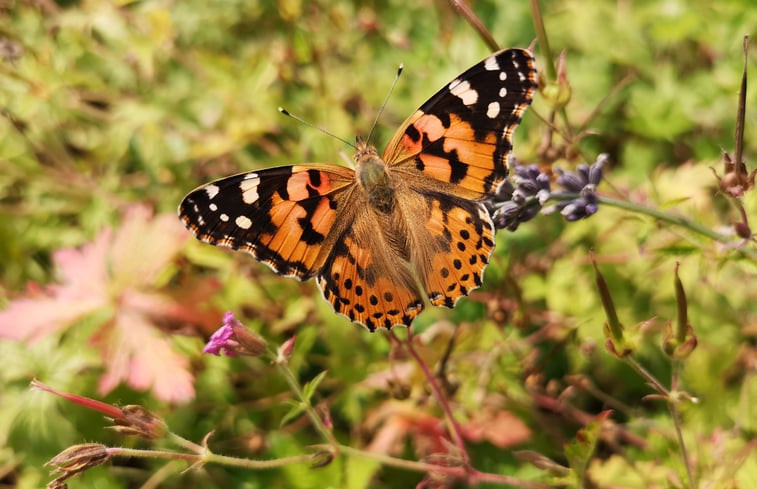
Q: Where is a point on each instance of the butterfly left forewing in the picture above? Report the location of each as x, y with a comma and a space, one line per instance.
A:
463, 134
282, 216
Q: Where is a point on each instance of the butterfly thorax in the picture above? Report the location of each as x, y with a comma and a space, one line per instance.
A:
373, 178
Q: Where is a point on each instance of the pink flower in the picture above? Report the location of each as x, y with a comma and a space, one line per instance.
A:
233, 339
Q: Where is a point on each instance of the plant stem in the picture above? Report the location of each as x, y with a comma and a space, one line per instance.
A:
541, 35
211, 458
452, 426
662, 216
476, 23
184, 443
675, 415
461, 472
671, 400
650, 378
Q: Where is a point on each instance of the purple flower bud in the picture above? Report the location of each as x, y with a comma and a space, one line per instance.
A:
233, 339
572, 182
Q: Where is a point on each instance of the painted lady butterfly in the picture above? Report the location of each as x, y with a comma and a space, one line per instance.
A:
401, 227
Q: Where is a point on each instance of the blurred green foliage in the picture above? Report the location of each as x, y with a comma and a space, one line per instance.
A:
106, 104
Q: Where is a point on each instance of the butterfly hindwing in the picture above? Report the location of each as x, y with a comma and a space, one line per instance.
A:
465, 228
282, 216
463, 134
366, 276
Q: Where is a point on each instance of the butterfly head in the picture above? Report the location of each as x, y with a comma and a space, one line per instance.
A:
363, 149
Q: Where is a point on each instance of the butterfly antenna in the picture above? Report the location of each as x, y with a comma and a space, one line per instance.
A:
381, 110
303, 121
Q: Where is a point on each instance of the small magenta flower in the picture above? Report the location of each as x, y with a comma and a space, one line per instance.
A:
233, 340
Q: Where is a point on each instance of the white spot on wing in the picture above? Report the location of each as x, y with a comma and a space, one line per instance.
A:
491, 64
521, 76
243, 222
224, 217
502, 75
492, 110
503, 92
463, 90
213, 207
249, 188
212, 190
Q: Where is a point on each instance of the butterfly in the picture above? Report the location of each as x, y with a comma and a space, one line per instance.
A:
400, 228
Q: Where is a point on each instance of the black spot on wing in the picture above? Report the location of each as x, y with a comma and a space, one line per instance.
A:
413, 133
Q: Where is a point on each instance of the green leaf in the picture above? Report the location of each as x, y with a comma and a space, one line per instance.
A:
310, 387
580, 450
297, 409
359, 473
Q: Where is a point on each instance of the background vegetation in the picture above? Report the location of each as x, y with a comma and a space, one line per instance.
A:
113, 110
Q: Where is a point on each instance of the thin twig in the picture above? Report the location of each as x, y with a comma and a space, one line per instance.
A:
541, 35
675, 415
613, 91
472, 476
649, 377
476, 23
246, 463
453, 427
677, 220
739, 167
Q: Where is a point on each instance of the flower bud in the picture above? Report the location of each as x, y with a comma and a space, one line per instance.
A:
75, 460
234, 340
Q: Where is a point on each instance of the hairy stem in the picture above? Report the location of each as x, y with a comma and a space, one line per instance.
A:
211, 458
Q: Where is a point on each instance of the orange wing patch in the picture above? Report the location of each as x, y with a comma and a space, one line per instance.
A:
282, 216
463, 235
463, 134
366, 280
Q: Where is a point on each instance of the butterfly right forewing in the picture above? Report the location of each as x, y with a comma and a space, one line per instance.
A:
463, 134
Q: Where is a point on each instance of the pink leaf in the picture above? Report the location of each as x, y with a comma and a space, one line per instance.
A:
83, 271
138, 354
500, 428
83, 290
33, 319
143, 246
